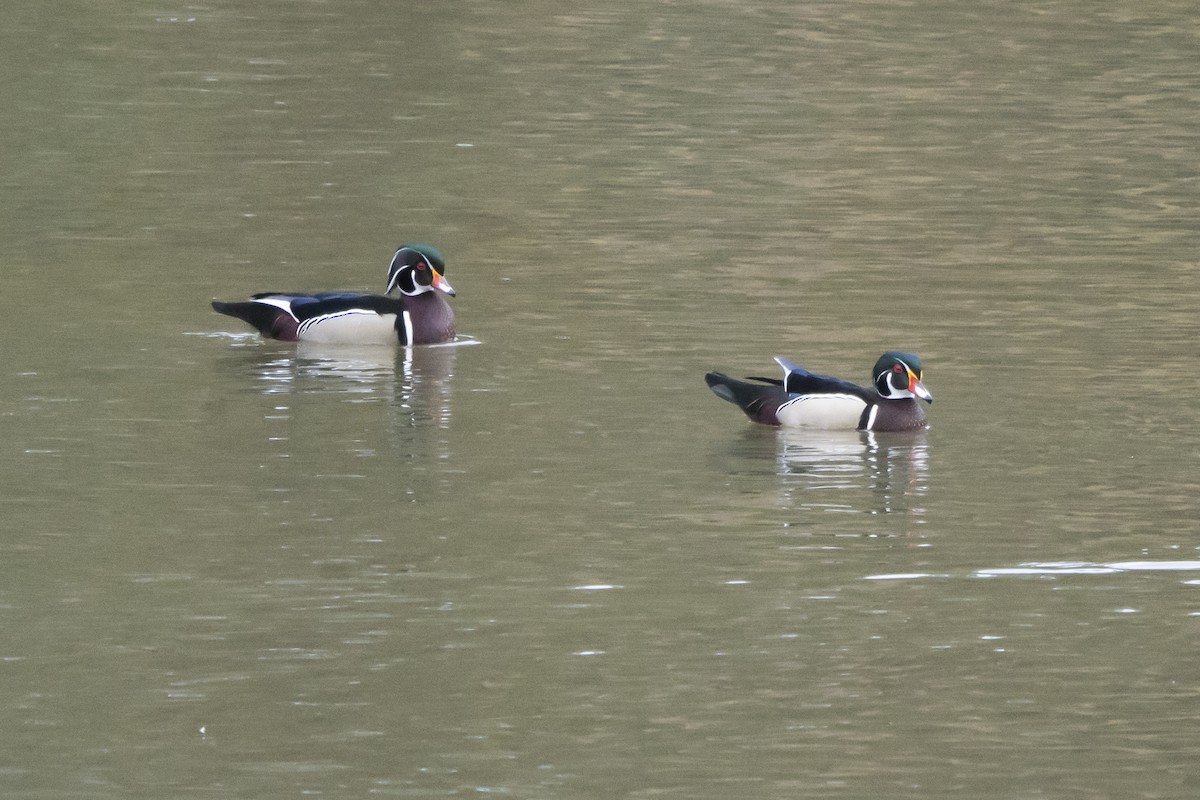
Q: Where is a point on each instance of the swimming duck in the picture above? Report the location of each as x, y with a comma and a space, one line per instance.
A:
419, 315
803, 399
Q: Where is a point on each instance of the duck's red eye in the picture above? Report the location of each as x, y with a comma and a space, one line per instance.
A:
421, 266
897, 369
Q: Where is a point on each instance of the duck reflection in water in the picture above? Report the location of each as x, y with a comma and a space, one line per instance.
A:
854, 471
414, 382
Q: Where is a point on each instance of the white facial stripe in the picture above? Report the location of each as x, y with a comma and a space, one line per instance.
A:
898, 392
418, 287
421, 255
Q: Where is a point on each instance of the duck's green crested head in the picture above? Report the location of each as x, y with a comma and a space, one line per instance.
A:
416, 269
898, 375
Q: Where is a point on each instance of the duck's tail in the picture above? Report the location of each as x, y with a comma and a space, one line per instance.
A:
758, 401
269, 320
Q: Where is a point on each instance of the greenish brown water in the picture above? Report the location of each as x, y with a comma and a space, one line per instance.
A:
549, 563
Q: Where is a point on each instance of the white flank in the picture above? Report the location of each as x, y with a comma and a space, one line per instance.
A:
355, 326
828, 411
871, 417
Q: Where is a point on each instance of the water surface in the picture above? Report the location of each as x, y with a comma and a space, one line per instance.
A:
549, 563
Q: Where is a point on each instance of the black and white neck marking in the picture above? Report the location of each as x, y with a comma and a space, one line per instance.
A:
899, 381
415, 272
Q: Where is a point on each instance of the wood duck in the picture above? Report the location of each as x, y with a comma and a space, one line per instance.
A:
420, 315
805, 400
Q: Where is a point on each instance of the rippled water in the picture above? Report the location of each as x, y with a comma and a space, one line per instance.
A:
546, 561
